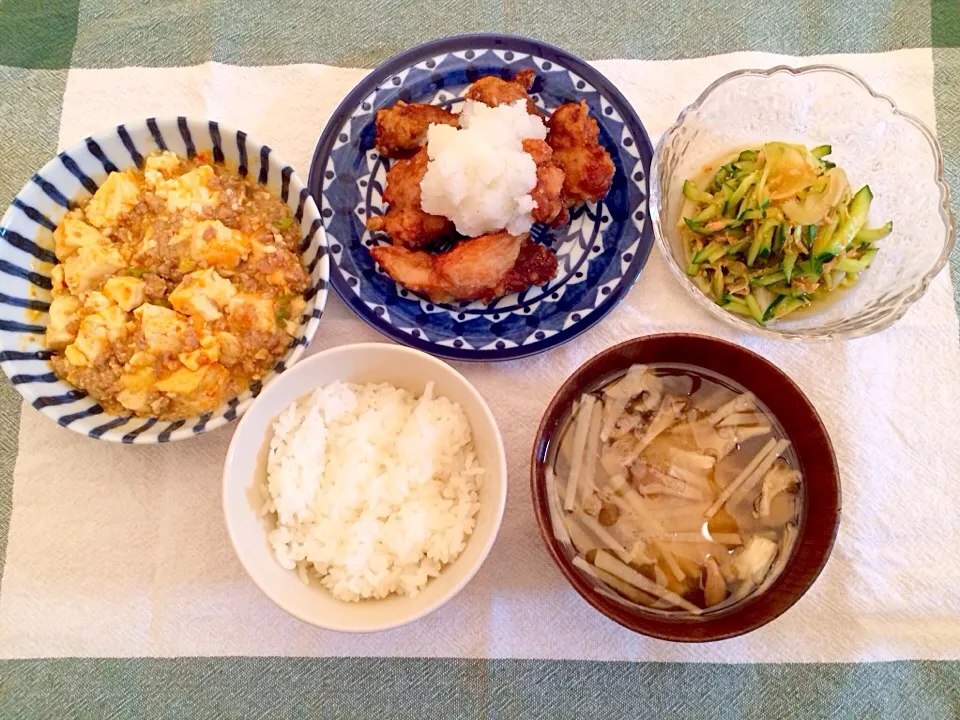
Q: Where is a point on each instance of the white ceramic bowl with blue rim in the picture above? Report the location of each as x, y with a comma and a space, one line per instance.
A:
601, 252
26, 258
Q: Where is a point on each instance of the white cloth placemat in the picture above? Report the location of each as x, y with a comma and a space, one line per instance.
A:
122, 551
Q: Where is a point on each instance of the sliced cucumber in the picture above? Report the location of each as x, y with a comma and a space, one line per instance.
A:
787, 290
708, 213
787, 306
756, 312
692, 192
789, 262
772, 307
848, 265
869, 235
847, 230
824, 237
738, 308
717, 284
742, 188
821, 151
771, 279
761, 241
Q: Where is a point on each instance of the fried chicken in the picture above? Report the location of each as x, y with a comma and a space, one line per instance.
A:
482, 268
405, 222
535, 265
492, 90
402, 129
587, 167
548, 192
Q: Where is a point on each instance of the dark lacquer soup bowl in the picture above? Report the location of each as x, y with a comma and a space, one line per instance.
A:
817, 496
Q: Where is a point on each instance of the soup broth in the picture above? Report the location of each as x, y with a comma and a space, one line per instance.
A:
676, 489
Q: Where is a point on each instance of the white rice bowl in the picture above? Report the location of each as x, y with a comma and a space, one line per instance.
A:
478, 175
373, 489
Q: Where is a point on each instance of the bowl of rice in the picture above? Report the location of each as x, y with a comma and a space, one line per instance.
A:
365, 487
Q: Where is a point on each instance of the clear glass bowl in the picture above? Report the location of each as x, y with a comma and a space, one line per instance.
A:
873, 141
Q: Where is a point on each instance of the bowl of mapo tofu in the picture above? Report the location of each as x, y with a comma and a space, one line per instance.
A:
685, 487
160, 274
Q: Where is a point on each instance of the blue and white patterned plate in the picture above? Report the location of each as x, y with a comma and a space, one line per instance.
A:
600, 253
26, 258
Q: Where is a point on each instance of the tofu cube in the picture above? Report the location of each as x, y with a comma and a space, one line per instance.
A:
214, 244
115, 321
160, 167
250, 312
57, 282
137, 401
90, 266
163, 329
92, 339
127, 292
203, 293
182, 381
64, 323
189, 192
231, 351
200, 357
73, 233
118, 194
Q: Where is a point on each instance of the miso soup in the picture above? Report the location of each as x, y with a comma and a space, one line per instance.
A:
676, 489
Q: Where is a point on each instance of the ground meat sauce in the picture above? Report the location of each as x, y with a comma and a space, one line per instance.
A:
178, 284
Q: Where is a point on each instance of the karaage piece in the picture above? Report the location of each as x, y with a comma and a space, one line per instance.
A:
535, 265
405, 221
492, 90
548, 192
482, 268
472, 270
402, 129
587, 166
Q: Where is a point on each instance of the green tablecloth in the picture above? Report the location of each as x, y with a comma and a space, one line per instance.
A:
41, 41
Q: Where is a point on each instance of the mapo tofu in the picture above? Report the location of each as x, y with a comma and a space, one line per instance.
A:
177, 285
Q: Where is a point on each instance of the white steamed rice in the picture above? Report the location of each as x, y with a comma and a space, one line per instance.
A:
374, 490
478, 176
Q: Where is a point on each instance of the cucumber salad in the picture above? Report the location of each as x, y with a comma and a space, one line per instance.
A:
775, 230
